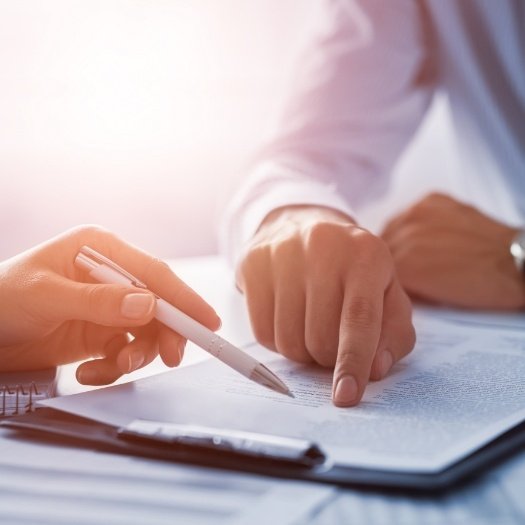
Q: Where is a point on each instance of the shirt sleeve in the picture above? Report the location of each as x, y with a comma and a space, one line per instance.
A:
364, 85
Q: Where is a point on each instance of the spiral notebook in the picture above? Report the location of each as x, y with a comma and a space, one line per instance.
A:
20, 391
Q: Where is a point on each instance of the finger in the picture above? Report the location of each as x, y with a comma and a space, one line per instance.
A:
130, 357
104, 370
397, 332
256, 282
98, 341
86, 341
141, 351
324, 302
96, 372
290, 311
171, 346
360, 328
155, 273
102, 304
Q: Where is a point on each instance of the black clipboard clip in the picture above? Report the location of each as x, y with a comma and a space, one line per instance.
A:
244, 444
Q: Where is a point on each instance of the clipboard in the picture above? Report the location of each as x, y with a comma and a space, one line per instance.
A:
269, 456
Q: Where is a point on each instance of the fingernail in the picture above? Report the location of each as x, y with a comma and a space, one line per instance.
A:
386, 363
135, 361
181, 347
346, 391
137, 305
86, 377
219, 323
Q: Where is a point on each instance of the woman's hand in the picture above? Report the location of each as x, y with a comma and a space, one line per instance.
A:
52, 313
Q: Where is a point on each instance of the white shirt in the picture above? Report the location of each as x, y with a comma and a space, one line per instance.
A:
366, 85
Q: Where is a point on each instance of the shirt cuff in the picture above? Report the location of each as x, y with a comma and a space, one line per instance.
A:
270, 188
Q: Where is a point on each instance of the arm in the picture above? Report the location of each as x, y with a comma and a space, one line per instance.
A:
50, 316
363, 86
318, 287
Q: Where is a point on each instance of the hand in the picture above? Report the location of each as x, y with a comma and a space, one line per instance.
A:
49, 317
448, 252
319, 288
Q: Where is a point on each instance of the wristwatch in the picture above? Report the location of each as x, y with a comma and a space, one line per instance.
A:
517, 249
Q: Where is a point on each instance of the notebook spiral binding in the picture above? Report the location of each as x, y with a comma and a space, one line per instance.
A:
18, 399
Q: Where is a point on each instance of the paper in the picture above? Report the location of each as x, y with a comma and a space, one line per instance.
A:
60, 485
482, 320
457, 391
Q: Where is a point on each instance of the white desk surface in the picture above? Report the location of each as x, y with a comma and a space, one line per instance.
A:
494, 497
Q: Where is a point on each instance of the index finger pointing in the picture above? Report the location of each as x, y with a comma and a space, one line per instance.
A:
359, 333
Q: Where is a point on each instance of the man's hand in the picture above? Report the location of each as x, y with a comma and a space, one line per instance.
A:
50, 315
320, 288
448, 252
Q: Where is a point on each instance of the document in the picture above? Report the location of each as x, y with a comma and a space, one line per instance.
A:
459, 389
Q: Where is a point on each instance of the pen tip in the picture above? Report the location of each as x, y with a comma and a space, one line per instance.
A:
290, 394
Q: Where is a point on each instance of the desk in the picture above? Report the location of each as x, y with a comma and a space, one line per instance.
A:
495, 497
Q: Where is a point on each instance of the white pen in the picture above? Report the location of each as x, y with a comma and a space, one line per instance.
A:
106, 271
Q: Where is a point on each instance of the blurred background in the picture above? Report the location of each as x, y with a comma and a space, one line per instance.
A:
141, 115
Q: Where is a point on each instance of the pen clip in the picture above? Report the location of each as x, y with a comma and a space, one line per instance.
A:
89, 259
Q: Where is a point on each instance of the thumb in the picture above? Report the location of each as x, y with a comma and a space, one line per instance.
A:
103, 304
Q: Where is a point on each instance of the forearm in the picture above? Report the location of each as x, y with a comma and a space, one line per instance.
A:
358, 99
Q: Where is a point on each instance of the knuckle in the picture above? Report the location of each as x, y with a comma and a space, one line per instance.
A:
286, 251
348, 360
253, 270
321, 232
370, 246
253, 261
345, 243
324, 236
359, 311
94, 297
90, 232
245, 264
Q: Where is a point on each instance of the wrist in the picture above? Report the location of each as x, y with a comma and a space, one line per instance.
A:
305, 214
